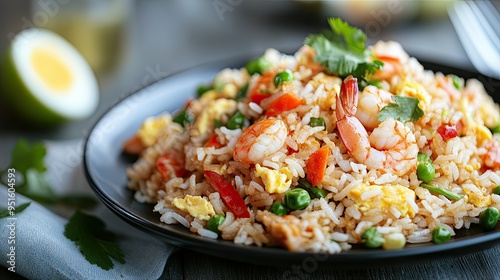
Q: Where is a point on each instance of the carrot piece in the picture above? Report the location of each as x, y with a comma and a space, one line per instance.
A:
286, 102
316, 165
256, 94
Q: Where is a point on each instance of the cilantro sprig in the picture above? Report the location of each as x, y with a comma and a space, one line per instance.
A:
404, 109
96, 243
6, 212
28, 162
342, 50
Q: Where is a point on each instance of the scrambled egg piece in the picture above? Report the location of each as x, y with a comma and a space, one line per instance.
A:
275, 181
415, 89
479, 200
215, 110
196, 206
387, 196
151, 128
482, 132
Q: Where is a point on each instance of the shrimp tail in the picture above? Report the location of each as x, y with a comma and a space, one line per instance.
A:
347, 100
351, 131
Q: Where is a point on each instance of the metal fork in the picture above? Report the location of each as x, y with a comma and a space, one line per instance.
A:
477, 24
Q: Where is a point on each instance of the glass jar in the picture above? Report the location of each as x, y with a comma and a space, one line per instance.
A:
97, 28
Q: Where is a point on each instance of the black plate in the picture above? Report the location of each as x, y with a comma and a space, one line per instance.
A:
105, 167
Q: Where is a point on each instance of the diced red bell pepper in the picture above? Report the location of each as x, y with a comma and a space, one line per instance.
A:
228, 193
448, 131
213, 142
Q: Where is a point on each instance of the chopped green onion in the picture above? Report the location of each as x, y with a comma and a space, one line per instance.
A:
214, 222
495, 129
202, 89
278, 208
364, 83
438, 190
458, 82
441, 235
283, 76
242, 92
372, 238
313, 191
425, 169
217, 123
259, 65
236, 121
423, 158
219, 84
317, 122
496, 190
489, 218
425, 172
183, 118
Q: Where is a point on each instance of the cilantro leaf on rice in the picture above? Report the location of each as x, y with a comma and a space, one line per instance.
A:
343, 51
405, 109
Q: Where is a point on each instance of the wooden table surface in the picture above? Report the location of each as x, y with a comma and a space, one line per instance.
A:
168, 36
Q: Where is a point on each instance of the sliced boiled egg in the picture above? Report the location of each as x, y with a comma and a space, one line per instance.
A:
46, 81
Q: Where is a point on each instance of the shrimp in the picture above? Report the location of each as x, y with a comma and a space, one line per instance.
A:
492, 156
171, 164
260, 140
371, 100
391, 145
393, 56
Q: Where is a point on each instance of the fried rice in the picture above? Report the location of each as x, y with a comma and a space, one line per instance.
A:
367, 180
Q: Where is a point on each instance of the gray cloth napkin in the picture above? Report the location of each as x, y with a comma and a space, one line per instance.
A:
43, 252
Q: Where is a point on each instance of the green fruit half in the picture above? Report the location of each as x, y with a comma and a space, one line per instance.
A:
45, 80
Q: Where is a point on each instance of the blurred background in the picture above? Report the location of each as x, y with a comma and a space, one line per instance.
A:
130, 43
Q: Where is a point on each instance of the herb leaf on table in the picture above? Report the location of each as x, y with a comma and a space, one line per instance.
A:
28, 162
94, 241
6, 212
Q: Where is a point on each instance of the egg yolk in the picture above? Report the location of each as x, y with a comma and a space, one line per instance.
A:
51, 69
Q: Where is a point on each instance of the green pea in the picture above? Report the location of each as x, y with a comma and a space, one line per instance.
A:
425, 172
259, 65
202, 89
441, 235
313, 191
372, 238
278, 208
214, 222
242, 92
423, 158
283, 76
317, 122
496, 190
495, 129
183, 118
458, 82
489, 218
236, 121
297, 199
